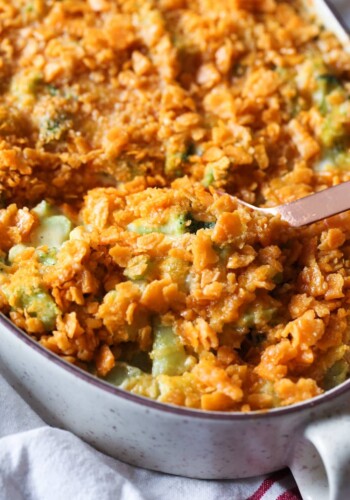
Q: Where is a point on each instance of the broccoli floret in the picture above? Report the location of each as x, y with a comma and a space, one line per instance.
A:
175, 225
195, 225
54, 128
168, 354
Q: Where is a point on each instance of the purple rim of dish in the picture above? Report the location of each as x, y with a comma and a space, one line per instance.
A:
155, 405
337, 15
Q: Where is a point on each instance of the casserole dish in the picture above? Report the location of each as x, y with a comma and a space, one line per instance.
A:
221, 445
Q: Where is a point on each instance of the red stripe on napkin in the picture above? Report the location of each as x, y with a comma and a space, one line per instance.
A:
290, 495
267, 483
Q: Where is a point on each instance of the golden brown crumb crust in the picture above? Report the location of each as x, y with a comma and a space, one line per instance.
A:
123, 114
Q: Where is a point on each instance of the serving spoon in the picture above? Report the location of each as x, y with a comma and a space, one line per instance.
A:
313, 208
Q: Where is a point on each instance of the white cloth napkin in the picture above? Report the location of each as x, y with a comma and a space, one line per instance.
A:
38, 462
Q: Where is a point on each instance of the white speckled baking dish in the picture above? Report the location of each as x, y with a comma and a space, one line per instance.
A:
312, 438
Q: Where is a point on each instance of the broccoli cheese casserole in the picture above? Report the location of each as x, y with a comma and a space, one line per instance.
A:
120, 122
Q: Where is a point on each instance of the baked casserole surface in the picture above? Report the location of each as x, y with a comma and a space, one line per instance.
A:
119, 122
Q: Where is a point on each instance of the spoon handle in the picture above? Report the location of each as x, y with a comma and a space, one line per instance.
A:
315, 207
318, 206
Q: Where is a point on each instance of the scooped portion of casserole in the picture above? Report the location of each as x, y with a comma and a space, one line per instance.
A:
183, 296
119, 121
